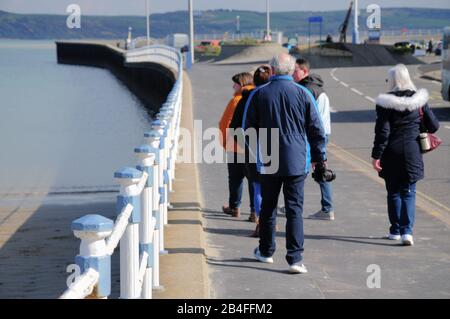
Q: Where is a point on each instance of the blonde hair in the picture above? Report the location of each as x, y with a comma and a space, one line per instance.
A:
399, 79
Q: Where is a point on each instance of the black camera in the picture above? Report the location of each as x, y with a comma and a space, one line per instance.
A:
322, 174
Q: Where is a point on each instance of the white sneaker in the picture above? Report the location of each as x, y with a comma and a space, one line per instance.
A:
407, 240
322, 215
259, 257
297, 268
394, 237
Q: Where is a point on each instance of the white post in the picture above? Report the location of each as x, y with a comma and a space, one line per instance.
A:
129, 179
268, 20
153, 139
167, 116
356, 26
147, 225
92, 230
147, 13
191, 31
160, 127
157, 138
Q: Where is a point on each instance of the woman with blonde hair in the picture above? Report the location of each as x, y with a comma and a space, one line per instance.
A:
396, 153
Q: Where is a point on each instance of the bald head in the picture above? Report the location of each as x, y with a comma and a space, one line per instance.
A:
283, 64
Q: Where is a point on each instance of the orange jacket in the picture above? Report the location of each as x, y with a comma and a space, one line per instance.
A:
227, 142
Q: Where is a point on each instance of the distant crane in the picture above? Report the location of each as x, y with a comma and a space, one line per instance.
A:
343, 27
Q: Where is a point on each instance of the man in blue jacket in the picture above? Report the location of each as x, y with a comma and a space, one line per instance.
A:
288, 111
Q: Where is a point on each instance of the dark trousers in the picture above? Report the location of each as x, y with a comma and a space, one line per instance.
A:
236, 175
293, 191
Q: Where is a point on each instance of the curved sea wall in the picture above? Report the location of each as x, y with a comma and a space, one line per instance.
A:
150, 82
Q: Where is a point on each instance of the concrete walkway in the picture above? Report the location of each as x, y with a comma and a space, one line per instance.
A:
340, 255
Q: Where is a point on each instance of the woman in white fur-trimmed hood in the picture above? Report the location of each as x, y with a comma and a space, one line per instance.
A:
396, 154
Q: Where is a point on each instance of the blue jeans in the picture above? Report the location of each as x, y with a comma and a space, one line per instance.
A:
257, 198
401, 202
326, 192
327, 196
236, 175
293, 190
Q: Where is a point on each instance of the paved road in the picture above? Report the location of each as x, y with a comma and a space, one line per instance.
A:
337, 253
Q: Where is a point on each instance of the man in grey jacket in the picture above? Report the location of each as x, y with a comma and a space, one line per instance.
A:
314, 83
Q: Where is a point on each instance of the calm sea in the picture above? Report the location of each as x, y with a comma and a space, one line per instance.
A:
62, 128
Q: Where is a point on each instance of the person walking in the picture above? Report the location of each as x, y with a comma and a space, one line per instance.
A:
396, 154
236, 167
286, 110
314, 83
261, 76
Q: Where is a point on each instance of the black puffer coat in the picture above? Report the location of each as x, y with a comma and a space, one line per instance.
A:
397, 131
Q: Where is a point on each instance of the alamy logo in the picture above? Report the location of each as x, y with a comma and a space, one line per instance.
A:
75, 271
74, 19
374, 19
374, 279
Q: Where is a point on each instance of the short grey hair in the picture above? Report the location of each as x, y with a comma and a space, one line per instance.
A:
283, 64
399, 79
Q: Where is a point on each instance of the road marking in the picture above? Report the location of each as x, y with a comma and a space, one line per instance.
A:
441, 212
356, 91
344, 84
447, 127
332, 74
370, 99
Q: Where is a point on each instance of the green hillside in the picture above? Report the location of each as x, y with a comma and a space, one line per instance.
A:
20, 26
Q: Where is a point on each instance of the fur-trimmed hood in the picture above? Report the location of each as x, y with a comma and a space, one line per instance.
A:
403, 102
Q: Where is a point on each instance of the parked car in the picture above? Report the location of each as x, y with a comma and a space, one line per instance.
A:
438, 49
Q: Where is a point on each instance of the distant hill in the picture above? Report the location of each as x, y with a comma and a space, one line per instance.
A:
26, 26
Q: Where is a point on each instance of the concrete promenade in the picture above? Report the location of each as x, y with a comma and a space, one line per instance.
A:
338, 254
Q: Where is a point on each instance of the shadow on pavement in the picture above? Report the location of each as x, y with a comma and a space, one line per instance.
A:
225, 263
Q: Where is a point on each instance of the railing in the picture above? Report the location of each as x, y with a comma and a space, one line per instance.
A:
160, 54
141, 204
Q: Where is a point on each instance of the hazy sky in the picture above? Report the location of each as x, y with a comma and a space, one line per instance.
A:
136, 7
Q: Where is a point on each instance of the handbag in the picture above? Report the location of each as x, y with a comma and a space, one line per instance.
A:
428, 141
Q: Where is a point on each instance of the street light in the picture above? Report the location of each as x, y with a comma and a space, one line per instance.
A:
147, 13
356, 26
238, 26
191, 30
268, 20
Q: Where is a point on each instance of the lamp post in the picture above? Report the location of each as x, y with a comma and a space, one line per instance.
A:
356, 27
191, 30
268, 20
238, 26
147, 13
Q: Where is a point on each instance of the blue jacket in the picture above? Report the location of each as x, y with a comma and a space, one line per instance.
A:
284, 105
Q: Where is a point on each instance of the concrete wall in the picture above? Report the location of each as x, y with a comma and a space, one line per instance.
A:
150, 82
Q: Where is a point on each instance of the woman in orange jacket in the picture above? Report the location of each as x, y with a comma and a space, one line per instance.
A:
236, 169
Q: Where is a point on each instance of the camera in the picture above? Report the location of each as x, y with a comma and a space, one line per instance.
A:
322, 174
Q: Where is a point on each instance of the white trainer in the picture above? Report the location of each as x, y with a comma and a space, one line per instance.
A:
297, 268
261, 258
394, 237
322, 215
407, 240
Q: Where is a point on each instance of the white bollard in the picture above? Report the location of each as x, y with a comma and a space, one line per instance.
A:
92, 230
160, 127
129, 244
147, 225
167, 115
154, 140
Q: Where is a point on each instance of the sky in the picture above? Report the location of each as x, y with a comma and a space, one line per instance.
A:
137, 7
